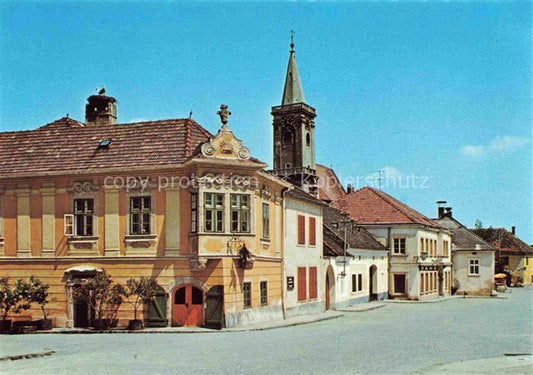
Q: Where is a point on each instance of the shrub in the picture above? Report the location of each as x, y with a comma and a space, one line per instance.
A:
39, 294
14, 298
142, 290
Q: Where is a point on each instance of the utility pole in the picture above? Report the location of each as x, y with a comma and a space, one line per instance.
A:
345, 223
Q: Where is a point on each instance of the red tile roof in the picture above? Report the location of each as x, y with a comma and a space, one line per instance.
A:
329, 187
504, 241
68, 146
372, 206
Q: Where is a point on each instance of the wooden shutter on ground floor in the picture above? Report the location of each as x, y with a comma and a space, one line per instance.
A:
312, 282
302, 284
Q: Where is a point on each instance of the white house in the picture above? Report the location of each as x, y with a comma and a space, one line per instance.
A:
473, 258
420, 249
302, 247
354, 262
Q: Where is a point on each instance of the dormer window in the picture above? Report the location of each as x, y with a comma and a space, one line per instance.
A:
104, 144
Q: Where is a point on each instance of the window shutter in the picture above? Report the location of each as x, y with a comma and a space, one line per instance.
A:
68, 225
302, 291
312, 282
312, 231
301, 230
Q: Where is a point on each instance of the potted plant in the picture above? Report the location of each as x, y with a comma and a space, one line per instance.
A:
138, 292
103, 297
12, 299
39, 295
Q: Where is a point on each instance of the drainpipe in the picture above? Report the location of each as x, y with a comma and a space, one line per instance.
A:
283, 232
388, 262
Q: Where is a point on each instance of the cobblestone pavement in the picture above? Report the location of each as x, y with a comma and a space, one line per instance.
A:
401, 338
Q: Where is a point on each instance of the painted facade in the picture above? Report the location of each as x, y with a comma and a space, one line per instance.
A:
196, 222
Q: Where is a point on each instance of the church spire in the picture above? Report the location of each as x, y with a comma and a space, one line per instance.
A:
292, 93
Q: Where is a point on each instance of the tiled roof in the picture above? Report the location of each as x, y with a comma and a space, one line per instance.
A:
356, 236
329, 187
68, 146
462, 238
371, 206
504, 240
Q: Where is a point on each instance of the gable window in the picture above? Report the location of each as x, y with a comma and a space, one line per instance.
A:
83, 217
140, 212
301, 230
266, 221
194, 212
240, 212
473, 267
312, 231
399, 246
213, 212
264, 293
247, 295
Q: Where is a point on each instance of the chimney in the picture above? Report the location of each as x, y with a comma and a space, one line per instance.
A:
513, 230
349, 189
100, 109
448, 212
440, 207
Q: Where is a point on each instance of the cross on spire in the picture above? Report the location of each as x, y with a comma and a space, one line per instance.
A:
292, 40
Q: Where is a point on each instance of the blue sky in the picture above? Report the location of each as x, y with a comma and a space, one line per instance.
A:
434, 90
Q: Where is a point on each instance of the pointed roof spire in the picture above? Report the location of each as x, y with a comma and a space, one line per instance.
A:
293, 92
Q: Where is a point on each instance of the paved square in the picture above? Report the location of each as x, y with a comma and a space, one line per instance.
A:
399, 338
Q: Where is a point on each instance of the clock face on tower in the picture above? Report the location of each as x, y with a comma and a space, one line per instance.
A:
287, 121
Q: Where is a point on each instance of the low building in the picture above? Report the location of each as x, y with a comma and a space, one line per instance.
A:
419, 248
472, 258
356, 264
513, 256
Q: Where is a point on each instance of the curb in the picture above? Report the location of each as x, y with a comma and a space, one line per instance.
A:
26, 356
363, 310
151, 331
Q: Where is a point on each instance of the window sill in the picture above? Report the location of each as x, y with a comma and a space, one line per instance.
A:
140, 237
473, 275
399, 255
83, 239
265, 240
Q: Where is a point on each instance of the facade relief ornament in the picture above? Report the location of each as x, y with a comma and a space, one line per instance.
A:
225, 145
83, 187
234, 181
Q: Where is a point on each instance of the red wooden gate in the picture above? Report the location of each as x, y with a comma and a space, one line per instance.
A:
188, 306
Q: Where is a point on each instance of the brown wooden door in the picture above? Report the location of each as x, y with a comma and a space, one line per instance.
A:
188, 306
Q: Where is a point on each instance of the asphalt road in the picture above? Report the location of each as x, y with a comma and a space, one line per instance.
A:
399, 338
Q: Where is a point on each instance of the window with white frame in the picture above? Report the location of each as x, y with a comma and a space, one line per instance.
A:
266, 220
83, 217
473, 267
399, 246
140, 215
194, 212
240, 212
213, 212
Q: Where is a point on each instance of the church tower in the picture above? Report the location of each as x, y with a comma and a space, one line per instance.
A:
294, 133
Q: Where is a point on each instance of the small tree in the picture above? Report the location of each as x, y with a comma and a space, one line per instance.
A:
102, 296
142, 290
14, 298
39, 294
